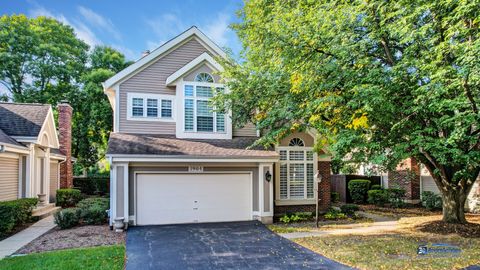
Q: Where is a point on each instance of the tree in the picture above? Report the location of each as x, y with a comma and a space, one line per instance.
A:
39, 55
379, 80
93, 113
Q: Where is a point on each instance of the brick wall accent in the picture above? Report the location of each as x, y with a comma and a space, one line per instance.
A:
65, 137
406, 176
324, 169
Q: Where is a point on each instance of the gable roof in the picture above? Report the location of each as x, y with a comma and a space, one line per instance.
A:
22, 120
203, 58
148, 59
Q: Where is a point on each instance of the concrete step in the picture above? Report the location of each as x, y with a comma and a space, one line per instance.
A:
45, 211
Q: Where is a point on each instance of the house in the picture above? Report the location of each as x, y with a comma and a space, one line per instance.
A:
34, 160
174, 159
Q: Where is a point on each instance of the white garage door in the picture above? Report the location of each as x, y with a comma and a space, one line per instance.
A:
189, 198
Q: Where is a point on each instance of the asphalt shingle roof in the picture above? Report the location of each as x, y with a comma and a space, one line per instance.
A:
164, 145
4, 138
18, 119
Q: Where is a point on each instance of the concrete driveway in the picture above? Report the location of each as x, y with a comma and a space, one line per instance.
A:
236, 245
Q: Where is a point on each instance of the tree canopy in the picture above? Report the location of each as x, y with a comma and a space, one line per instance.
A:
379, 80
41, 60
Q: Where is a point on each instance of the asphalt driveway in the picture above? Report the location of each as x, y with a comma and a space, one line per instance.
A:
236, 245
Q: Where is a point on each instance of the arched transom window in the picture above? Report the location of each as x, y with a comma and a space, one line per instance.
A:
204, 77
296, 142
297, 166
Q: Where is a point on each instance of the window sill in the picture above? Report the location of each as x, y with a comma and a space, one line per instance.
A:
152, 119
294, 202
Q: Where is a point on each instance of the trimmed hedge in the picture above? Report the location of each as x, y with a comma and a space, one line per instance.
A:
67, 218
90, 211
358, 190
68, 197
93, 185
15, 213
376, 187
431, 201
93, 211
349, 209
396, 196
378, 197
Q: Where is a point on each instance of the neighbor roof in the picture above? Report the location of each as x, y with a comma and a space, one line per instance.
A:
4, 138
169, 146
23, 120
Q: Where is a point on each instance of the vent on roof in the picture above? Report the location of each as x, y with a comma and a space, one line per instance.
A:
145, 53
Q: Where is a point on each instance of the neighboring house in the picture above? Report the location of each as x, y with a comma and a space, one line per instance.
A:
174, 159
33, 159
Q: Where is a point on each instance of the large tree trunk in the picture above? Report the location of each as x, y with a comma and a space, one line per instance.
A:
454, 206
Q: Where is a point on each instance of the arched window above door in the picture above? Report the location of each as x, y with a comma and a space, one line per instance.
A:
296, 142
204, 77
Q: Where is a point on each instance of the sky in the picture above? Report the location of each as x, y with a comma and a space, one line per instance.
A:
135, 26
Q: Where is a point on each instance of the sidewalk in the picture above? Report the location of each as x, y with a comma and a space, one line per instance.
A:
17, 241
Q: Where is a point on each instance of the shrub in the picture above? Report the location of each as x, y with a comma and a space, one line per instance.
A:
14, 213
93, 211
295, 217
67, 218
68, 197
358, 190
334, 197
396, 196
334, 214
378, 197
376, 187
431, 201
349, 209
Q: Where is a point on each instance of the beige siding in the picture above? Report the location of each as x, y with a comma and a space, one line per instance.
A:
152, 80
307, 139
249, 130
190, 77
8, 179
53, 180
428, 184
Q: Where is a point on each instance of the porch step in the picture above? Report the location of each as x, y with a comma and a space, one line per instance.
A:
45, 211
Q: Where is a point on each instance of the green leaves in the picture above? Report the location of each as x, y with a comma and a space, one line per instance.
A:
381, 80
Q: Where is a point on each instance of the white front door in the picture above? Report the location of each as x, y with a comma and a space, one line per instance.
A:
188, 198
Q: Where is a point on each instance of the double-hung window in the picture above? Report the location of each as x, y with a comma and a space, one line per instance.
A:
296, 171
199, 115
150, 107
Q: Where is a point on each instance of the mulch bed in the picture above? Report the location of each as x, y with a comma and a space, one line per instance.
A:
407, 211
465, 230
82, 236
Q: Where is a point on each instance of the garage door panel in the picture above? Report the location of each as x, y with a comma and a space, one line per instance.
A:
187, 198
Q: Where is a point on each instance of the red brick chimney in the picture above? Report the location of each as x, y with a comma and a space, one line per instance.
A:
65, 134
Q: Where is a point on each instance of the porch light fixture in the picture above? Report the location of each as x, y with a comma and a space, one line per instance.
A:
268, 176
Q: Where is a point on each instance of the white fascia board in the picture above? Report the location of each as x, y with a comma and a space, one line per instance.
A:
15, 148
159, 51
204, 57
50, 117
151, 158
26, 139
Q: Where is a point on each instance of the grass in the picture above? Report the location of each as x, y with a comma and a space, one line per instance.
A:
323, 225
392, 251
98, 258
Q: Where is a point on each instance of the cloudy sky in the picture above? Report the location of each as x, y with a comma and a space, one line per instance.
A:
136, 25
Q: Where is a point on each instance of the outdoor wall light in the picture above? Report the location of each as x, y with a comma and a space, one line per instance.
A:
268, 176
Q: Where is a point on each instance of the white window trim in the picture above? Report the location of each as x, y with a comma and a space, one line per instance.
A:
180, 127
288, 200
159, 98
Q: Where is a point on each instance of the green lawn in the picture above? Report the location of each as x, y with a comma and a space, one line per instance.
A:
98, 258
392, 251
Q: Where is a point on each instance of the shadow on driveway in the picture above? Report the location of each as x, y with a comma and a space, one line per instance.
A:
234, 245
